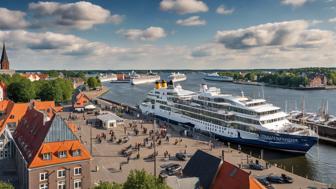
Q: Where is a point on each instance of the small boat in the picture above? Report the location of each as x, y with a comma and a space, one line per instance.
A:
216, 77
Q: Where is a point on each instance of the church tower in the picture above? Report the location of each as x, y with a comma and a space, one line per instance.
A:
4, 59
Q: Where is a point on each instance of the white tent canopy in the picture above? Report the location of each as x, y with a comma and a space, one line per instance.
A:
90, 107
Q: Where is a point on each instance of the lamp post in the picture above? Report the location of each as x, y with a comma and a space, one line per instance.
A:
154, 146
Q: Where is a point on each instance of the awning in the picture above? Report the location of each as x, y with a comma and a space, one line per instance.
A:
90, 107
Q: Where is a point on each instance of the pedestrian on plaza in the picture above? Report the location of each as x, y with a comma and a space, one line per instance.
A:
120, 167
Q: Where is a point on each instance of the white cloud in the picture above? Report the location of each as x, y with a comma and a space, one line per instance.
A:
294, 3
56, 43
191, 21
80, 15
332, 20
150, 34
289, 33
223, 10
10, 19
184, 6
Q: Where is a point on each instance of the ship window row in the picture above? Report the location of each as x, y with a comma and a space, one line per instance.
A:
255, 104
246, 120
161, 102
273, 120
204, 112
165, 108
203, 119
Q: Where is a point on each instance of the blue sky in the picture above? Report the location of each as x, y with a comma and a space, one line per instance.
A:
169, 34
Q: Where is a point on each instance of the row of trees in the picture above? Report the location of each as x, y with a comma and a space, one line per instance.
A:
20, 89
136, 180
290, 78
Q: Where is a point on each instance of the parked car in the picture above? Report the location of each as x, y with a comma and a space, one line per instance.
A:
255, 166
287, 179
174, 169
163, 166
275, 179
181, 156
265, 182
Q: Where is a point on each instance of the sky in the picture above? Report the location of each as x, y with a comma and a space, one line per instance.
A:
168, 34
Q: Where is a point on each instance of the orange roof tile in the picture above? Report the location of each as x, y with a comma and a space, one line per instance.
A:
230, 176
45, 149
72, 126
14, 113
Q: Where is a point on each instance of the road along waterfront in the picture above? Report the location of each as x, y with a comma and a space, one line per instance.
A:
318, 164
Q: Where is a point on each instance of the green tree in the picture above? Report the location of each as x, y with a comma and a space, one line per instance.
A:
5, 185
21, 91
107, 185
53, 73
142, 180
93, 82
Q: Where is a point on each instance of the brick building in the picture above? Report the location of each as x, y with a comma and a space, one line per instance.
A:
49, 155
318, 80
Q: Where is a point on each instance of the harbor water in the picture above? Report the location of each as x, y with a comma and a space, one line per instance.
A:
318, 164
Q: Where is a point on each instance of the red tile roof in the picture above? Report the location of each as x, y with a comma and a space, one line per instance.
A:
230, 176
34, 137
13, 112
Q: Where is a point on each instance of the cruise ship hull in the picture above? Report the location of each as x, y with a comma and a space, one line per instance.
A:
138, 81
263, 139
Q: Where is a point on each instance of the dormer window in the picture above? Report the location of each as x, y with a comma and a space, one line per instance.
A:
62, 154
11, 117
76, 152
46, 156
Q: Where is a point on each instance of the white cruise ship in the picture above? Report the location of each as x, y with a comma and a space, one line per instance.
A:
137, 79
107, 77
237, 119
176, 77
216, 77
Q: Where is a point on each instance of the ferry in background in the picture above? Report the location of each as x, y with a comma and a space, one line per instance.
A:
137, 79
107, 77
237, 119
216, 77
176, 77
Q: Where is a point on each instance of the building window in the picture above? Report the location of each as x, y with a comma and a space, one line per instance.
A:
77, 171
62, 154
61, 185
61, 173
76, 153
77, 184
11, 117
44, 186
44, 176
46, 156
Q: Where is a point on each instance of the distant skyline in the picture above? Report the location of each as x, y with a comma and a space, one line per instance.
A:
169, 34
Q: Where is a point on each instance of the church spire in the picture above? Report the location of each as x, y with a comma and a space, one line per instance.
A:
4, 59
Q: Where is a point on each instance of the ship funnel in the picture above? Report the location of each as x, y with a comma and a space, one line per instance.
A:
164, 84
157, 85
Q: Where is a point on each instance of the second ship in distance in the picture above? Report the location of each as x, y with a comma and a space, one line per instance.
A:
237, 119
